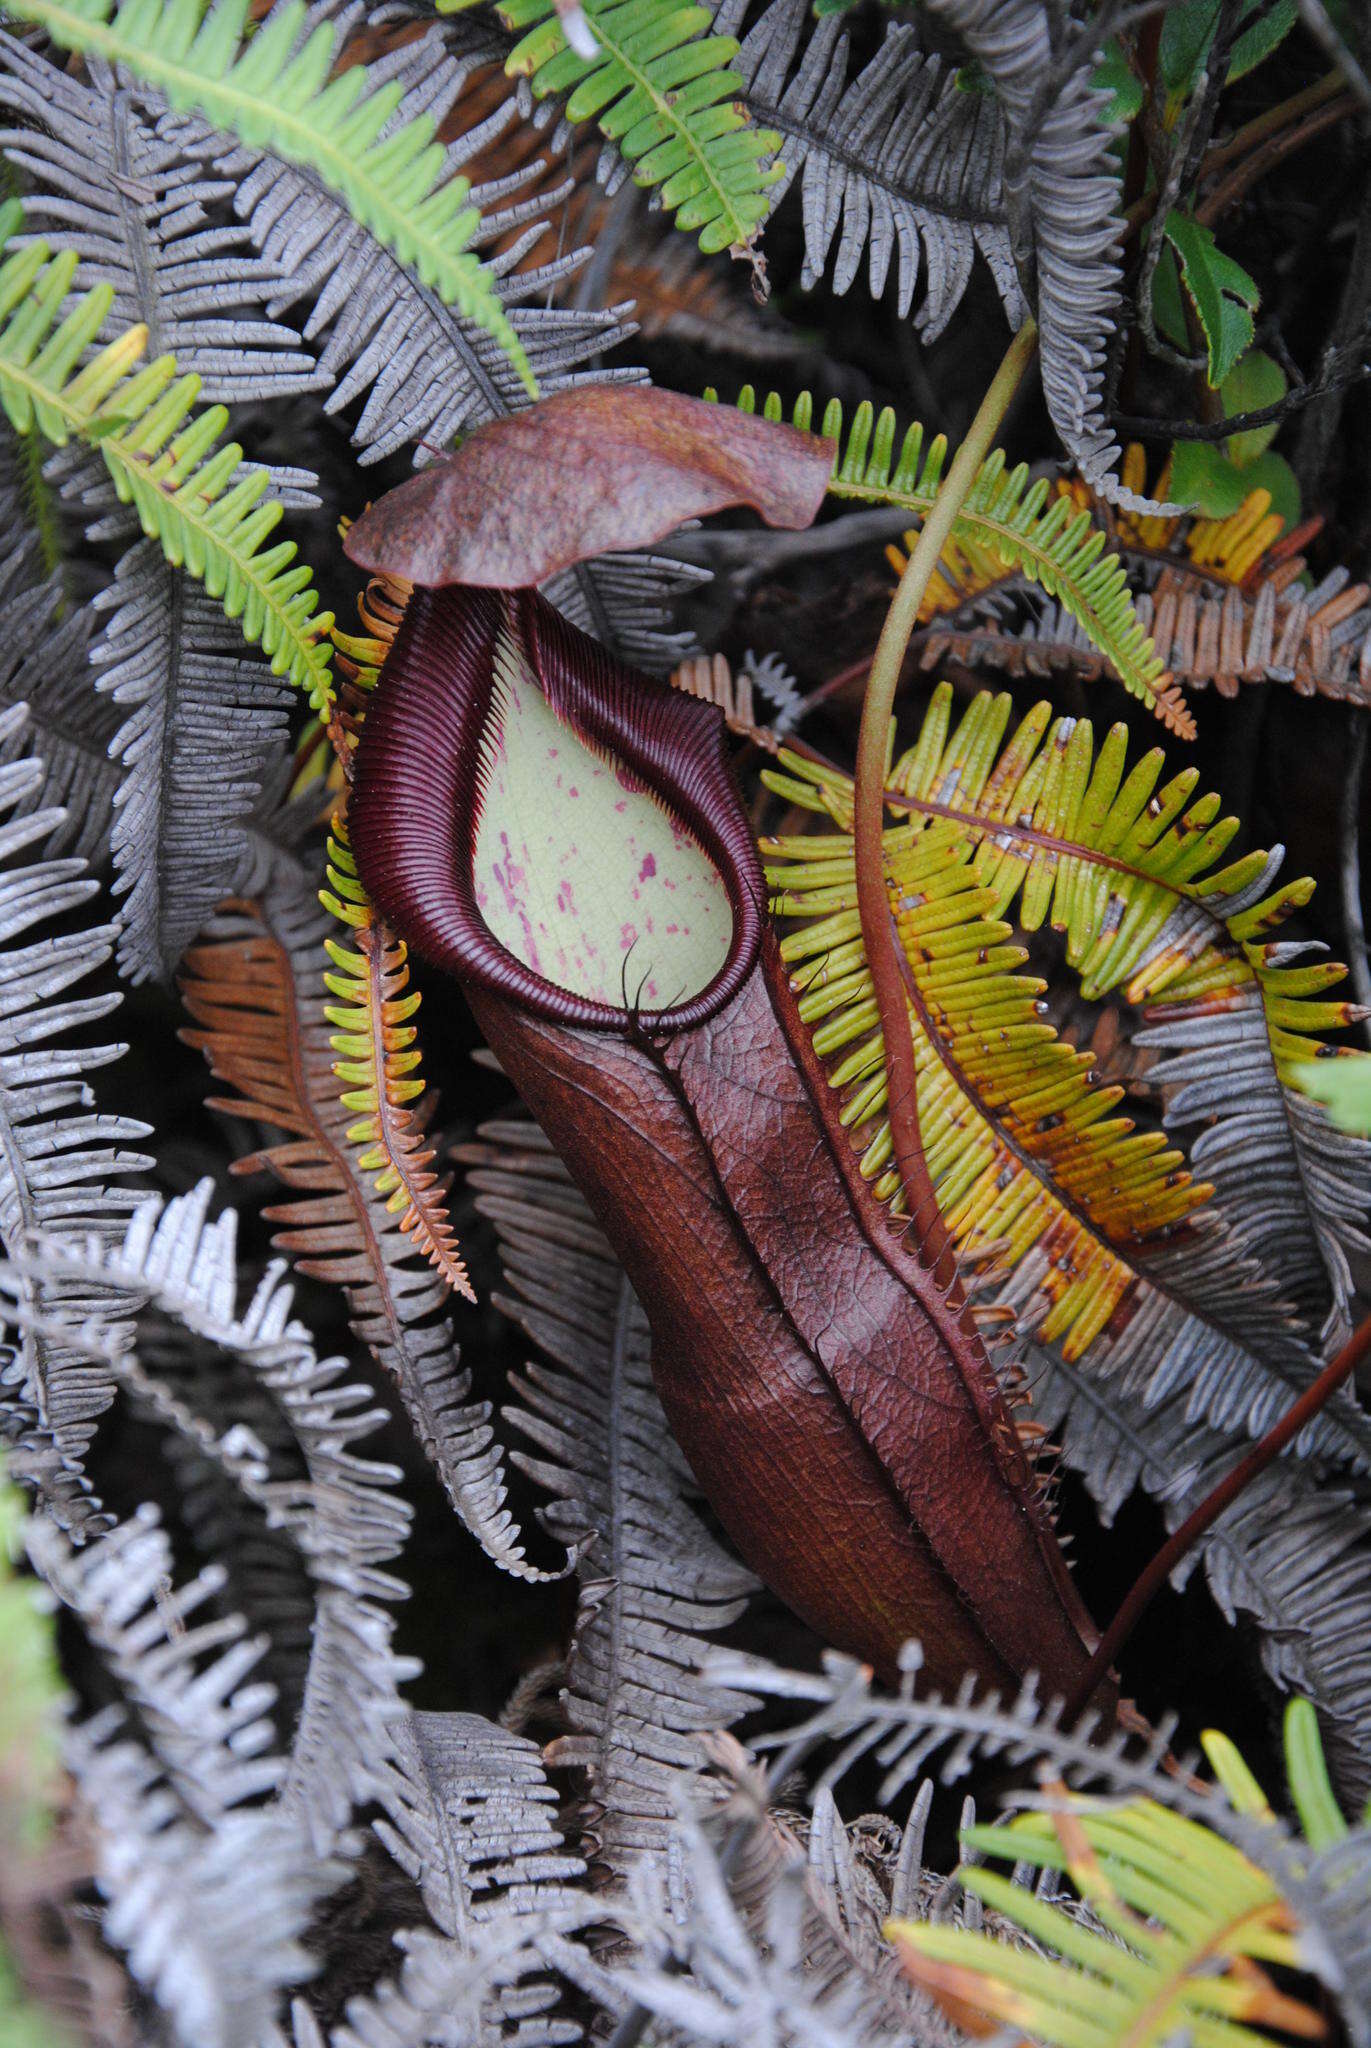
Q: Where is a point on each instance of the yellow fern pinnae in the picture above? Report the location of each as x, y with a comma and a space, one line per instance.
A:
378, 1060
1160, 1957
1027, 1149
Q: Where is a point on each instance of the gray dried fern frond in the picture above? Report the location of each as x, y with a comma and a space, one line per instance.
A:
1294, 1552
473, 1820
133, 190
1061, 190
654, 1583
63, 1163
706, 1970
208, 1888
897, 164
247, 1391
205, 719
44, 665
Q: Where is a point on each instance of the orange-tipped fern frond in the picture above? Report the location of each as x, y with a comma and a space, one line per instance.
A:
1007, 515
1182, 1937
254, 986
378, 1062
1225, 601
1104, 1229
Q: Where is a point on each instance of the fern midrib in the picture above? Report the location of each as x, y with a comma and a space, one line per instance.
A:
1125, 1249
80, 32
681, 128
305, 646
912, 195
1009, 541
1216, 1944
394, 1124
305, 1058
131, 218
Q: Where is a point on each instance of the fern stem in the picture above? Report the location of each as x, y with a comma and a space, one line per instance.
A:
1159, 1569
878, 931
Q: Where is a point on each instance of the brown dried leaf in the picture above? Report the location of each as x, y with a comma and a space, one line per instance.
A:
587, 472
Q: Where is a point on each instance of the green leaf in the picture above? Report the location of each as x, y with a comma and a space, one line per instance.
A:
1202, 475
276, 92
1116, 76
1343, 1086
1256, 43
1222, 293
1188, 32
660, 88
1305, 1767
1256, 381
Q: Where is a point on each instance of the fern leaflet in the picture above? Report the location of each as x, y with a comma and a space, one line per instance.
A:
1053, 543
1167, 1954
1096, 1224
661, 89
274, 90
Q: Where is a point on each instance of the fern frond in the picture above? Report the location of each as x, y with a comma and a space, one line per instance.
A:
735, 691
61, 1161
1293, 1553
134, 191
1226, 601
898, 166
377, 1063
661, 89
427, 369
472, 1820
277, 89
1089, 1216
654, 1582
1017, 521
45, 668
254, 988
1062, 193
207, 1888
204, 722
210, 512
247, 1392
1186, 1931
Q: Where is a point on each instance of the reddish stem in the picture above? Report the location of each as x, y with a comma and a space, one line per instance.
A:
1150, 1582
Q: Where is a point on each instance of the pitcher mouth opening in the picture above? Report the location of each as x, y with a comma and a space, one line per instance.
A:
533, 816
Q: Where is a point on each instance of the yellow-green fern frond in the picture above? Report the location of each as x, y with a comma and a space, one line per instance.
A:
661, 90
212, 513
281, 93
1028, 1149
1033, 531
1184, 1931
378, 1064
1177, 1930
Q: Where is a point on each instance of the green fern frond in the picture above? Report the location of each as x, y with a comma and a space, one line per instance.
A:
1021, 1139
276, 93
378, 1062
211, 512
1055, 544
661, 90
